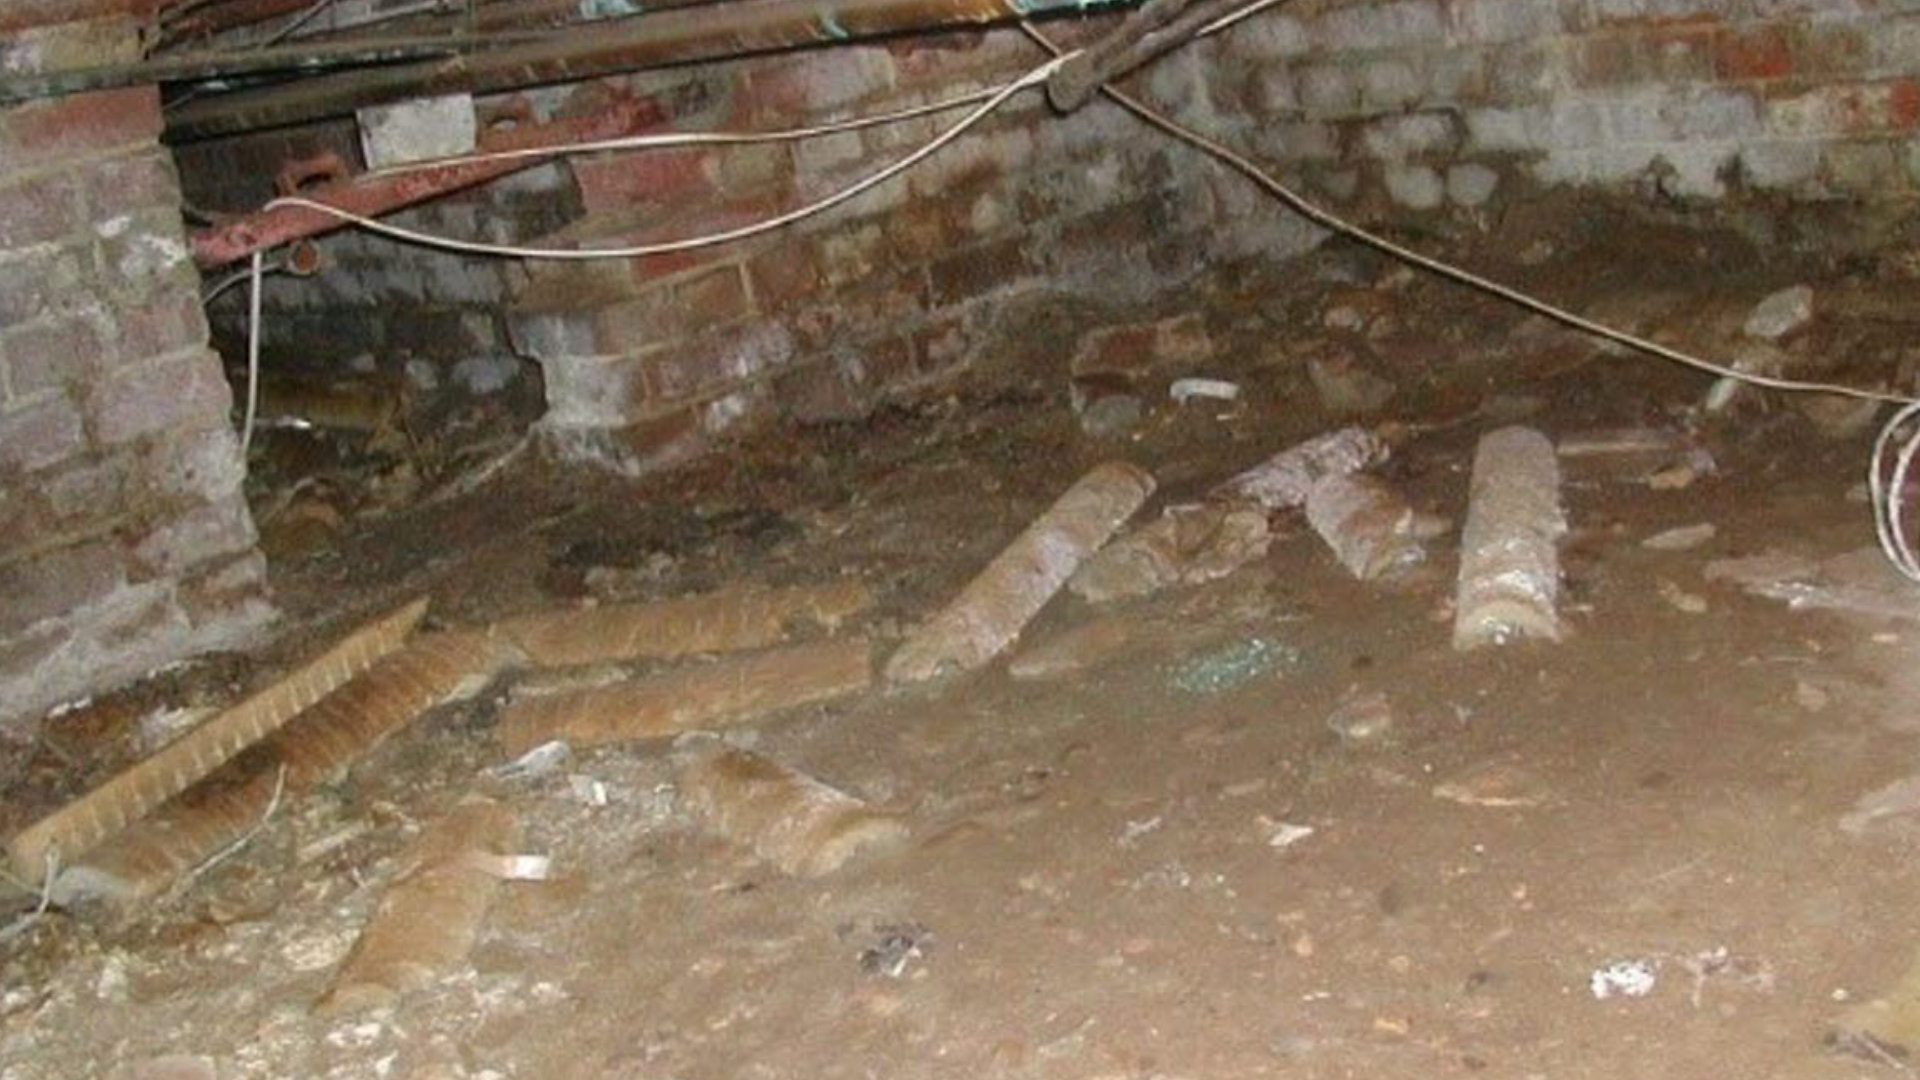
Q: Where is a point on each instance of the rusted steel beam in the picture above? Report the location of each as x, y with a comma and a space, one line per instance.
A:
675, 36
1154, 29
279, 59
377, 194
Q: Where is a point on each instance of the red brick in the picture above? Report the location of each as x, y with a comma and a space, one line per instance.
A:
711, 299
644, 177
186, 393
49, 353
57, 583
80, 125
1644, 54
38, 211
978, 272
785, 274
1764, 52
40, 434
36, 283
697, 369
132, 183
163, 326
1848, 109
1829, 50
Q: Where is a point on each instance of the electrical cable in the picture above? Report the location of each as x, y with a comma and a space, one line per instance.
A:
255, 270
693, 138
1032, 78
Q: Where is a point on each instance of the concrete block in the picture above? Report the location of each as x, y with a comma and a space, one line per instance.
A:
418, 130
1417, 187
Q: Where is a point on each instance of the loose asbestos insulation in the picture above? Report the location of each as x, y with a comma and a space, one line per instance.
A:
990, 612
1509, 555
431, 914
783, 815
1283, 481
1369, 527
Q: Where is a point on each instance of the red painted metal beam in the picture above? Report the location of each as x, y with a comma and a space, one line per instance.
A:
382, 193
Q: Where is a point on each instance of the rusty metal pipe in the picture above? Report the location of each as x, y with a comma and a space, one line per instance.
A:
374, 195
674, 36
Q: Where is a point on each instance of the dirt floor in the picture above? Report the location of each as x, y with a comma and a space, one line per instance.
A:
1104, 878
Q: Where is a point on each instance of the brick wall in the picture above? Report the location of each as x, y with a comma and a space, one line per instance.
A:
375, 297
647, 361
1391, 110
124, 541
1432, 104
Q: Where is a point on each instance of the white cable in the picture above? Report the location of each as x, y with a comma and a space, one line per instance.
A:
255, 270
694, 138
1032, 78
1888, 493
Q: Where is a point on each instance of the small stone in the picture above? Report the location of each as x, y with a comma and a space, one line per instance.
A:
1781, 314
1691, 603
1346, 387
1810, 697
1684, 538
1362, 718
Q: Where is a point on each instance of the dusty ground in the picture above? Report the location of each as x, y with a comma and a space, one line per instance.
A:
1092, 887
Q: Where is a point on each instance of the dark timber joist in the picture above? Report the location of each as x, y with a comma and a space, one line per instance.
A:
658, 39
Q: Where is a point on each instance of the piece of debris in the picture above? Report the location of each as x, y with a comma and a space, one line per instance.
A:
1362, 717
1681, 474
717, 694
899, 945
318, 746
1684, 538
1346, 387
1372, 531
1283, 481
1624, 978
1082, 647
783, 815
1837, 417
1810, 697
1107, 404
1890, 800
1719, 963
587, 790
1614, 442
76, 827
996, 605
729, 620
431, 913
1780, 314
1139, 348
1681, 599
1885, 1028
543, 760
1282, 835
1224, 669
1187, 545
145, 859
1859, 582
1496, 785
1134, 830
1509, 555
1183, 391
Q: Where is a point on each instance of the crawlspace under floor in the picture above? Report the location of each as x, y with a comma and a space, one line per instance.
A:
1091, 888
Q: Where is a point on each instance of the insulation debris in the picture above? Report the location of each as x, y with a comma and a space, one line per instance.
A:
1509, 555
1283, 481
725, 692
996, 605
786, 817
1188, 545
321, 743
146, 858
85, 822
431, 914
1370, 528
729, 620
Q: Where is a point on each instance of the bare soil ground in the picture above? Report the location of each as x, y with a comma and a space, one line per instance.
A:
1093, 890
